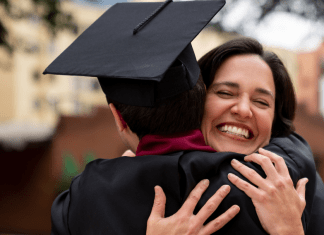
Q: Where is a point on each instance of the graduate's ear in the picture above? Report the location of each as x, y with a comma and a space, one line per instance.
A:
119, 123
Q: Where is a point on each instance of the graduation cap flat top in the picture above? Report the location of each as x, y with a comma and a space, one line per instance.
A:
129, 64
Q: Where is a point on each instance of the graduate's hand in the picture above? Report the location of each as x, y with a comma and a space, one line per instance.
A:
129, 153
184, 221
278, 204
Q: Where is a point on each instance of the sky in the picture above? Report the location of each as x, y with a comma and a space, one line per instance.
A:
289, 31
278, 29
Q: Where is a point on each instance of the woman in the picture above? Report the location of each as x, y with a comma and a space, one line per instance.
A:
250, 99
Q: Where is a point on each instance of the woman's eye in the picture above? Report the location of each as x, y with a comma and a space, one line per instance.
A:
263, 103
224, 93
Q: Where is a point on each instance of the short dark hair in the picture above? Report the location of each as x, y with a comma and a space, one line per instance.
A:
285, 102
177, 114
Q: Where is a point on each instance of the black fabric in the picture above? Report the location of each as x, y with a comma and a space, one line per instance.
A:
177, 79
108, 49
116, 196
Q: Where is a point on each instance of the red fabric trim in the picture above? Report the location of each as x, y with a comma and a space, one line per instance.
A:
159, 145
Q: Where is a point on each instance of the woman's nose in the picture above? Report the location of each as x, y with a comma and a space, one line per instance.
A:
242, 108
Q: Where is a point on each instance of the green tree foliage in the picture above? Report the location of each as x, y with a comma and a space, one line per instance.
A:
48, 12
72, 168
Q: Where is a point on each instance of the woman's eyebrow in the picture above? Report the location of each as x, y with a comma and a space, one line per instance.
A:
236, 85
265, 92
226, 83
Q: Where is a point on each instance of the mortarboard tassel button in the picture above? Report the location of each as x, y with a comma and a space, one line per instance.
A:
148, 19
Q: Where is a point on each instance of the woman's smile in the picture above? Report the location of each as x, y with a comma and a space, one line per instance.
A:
235, 129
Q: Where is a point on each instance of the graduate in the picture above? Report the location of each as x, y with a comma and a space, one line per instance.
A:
142, 56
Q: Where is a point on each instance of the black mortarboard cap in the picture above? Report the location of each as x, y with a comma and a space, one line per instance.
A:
140, 51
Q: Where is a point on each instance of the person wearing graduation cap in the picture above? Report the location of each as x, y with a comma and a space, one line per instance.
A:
138, 68
146, 70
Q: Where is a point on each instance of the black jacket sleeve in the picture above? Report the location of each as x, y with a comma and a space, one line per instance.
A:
59, 214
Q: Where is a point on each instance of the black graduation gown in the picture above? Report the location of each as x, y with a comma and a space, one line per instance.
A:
116, 196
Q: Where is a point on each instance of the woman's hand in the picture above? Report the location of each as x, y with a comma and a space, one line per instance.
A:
278, 204
184, 221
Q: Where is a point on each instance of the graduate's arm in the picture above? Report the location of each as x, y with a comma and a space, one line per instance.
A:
59, 214
184, 221
278, 204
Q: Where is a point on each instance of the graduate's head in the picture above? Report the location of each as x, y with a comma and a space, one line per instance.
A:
142, 56
250, 97
176, 114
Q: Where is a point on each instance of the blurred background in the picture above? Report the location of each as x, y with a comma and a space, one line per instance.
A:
52, 126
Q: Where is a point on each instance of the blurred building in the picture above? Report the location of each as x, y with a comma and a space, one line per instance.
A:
310, 97
311, 80
25, 94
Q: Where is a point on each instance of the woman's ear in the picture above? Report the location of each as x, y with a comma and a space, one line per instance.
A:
117, 117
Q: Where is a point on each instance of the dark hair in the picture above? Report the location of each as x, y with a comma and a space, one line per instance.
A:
177, 114
285, 102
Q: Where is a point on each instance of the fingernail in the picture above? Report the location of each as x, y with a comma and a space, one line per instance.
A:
206, 182
226, 188
262, 149
156, 190
306, 180
234, 161
236, 208
230, 175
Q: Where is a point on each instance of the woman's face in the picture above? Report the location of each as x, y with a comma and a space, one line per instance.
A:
240, 105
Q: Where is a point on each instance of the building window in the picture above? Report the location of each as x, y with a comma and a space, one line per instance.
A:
53, 102
37, 104
51, 48
35, 20
32, 48
95, 86
77, 107
36, 76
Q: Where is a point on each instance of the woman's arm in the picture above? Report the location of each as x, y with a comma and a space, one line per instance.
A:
184, 221
278, 204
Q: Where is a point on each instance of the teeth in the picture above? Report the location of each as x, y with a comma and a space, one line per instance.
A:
234, 130
246, 133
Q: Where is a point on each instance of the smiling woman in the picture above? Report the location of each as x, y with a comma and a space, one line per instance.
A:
253, 94
250, 99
